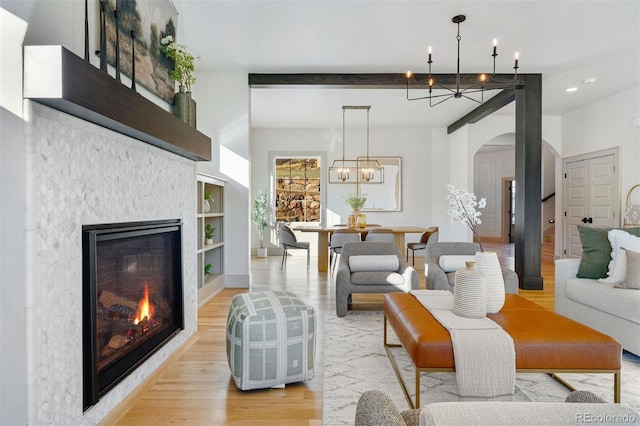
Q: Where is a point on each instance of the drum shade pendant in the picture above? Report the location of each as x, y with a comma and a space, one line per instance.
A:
463, 89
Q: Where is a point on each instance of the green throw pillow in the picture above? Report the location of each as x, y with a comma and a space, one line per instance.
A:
596, 250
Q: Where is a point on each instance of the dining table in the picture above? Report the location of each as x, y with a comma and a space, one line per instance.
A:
324, 234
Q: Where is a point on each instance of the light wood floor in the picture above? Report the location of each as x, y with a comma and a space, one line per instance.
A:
194, 386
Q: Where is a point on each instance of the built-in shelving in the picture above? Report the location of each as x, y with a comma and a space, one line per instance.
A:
210, 254
56, 77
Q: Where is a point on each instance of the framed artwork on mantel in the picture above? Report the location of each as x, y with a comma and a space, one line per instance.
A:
150, 20
386, 196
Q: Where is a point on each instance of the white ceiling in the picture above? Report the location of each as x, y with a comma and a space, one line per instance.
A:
566, 41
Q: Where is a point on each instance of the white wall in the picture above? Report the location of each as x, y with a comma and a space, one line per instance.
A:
440, 149
412, 145
490, 169
224, 115
13, 363
548, 186
607, 124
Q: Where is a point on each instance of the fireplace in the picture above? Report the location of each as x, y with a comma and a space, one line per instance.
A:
132, 298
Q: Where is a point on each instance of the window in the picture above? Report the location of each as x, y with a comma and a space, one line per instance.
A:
297, 189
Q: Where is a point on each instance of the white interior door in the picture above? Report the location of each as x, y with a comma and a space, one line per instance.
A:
576, 204
603, 199
590, 197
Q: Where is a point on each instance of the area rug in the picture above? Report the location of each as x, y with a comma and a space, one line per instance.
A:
355, 361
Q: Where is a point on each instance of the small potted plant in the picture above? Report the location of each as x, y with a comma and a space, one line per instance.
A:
209, 232
356, 203
259, 218
207, 269
208, 201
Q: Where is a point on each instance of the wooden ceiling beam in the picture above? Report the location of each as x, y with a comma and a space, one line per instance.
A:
374, 81
487, 108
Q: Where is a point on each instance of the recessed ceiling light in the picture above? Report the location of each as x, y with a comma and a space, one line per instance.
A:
589, 80
572, 89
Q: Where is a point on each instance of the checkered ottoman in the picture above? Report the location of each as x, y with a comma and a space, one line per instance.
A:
271, 339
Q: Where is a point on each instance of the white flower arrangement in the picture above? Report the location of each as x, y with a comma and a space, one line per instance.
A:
462, 208
183, 61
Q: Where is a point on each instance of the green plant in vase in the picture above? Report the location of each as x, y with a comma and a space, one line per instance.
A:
259, 218
356, 202
208, 201
184, 107
209, 232
183, 62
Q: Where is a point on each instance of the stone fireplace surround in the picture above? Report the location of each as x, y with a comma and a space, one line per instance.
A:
79, 173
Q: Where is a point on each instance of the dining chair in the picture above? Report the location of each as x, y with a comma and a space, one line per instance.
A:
381, 235
290, 242
428, 237
338, 238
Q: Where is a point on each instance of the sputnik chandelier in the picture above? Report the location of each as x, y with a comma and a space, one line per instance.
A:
363, 170
457, 92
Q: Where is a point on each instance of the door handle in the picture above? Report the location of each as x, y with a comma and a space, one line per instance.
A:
587, 220
584, 220
590, 220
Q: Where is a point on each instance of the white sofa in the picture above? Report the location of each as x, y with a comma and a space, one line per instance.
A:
376, 408
612, 311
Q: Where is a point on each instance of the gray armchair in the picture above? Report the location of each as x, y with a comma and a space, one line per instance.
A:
437, 279
404, 278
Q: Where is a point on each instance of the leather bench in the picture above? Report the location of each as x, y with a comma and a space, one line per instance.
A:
545, 342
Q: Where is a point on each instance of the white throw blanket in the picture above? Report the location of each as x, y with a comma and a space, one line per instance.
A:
484, 355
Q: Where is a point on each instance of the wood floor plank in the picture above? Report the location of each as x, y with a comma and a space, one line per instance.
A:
194, 386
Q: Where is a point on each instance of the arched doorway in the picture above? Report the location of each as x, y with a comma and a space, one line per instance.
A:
494, 179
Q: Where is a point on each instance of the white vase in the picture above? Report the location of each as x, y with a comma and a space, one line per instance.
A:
470, 292
208, 241
488, 263
262, 252
206, 206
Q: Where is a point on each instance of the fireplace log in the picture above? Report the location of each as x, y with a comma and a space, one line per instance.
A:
118, 341
109, 299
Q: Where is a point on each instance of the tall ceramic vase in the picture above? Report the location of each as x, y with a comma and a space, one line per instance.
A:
488, 263
181, 104
470, 292
192, 111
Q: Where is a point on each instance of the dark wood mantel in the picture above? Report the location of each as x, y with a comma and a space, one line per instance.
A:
56, 77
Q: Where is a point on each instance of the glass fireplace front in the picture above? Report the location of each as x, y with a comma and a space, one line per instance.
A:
132, 296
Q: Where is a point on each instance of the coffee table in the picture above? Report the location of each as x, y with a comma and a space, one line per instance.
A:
545, 342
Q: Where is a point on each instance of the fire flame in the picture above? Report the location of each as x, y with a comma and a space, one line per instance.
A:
145, 308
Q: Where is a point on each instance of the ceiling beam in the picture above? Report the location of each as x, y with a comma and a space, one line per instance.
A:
489, 107
374, 81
